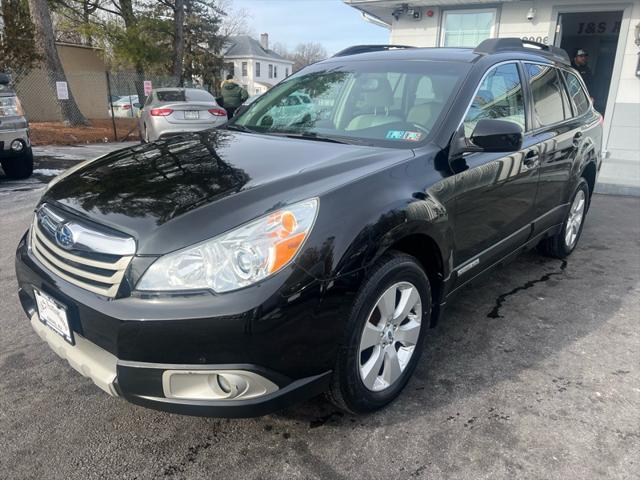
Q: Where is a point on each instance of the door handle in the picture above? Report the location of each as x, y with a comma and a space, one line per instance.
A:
531, 159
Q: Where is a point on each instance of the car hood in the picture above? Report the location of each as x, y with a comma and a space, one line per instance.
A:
174, 193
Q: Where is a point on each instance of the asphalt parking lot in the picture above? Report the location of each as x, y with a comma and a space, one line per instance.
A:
534, 373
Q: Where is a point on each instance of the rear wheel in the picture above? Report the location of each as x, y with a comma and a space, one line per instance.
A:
18, 167
565, 241
383, 337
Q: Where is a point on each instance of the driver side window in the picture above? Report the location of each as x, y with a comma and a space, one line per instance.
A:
500, 96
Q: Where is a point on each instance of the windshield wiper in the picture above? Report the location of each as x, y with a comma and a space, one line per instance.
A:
238, 128
309, 136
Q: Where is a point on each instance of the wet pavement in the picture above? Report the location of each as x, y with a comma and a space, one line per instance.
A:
50, 161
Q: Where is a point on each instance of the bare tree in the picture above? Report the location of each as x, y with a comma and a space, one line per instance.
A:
306, 54
45, 42
303, 55
235, 22
281, 49
178, 49
125, 10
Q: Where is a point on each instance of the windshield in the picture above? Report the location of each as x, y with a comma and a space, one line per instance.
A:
380, 103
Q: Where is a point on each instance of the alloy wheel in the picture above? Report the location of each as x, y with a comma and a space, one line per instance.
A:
389, 336
574, 222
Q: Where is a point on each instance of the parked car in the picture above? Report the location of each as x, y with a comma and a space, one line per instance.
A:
233, 272
127, 106
16, 156
246, 104
293, 109
172, 111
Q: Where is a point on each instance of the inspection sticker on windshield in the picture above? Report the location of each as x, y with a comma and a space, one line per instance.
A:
404, 135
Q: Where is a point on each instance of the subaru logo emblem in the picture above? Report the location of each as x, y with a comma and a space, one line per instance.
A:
64, 237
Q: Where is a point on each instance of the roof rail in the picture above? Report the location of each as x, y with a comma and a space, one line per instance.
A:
494, 45
368, 48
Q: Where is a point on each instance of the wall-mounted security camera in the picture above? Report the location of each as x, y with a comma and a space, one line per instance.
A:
415, 13
405, 9
531, 14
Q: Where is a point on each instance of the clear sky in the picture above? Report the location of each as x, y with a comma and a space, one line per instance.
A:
329, 22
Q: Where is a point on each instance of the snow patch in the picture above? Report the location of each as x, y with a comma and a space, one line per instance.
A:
48, 172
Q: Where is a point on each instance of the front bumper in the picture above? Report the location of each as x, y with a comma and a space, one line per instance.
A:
126, 346
88, 359
9, 135
141, 383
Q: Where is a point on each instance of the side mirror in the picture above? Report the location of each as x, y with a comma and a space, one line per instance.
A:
492, 135
4, 79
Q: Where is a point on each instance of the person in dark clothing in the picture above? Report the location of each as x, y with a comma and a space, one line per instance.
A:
233, 95
581, 63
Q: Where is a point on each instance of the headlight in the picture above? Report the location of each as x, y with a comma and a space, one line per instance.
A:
10, 107
238, 258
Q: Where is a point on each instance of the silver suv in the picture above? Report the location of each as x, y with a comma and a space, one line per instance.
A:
16, 156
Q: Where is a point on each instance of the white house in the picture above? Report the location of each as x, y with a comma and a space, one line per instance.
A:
253, 65
608, 29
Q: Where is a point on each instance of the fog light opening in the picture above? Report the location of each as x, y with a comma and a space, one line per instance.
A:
17, 146
230, 385
223, 384
215, 384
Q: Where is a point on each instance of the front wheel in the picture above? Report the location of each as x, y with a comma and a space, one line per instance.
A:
18, 167
565, 241
384, 335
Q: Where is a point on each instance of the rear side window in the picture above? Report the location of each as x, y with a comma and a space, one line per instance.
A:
576, 93
500, 97
171, 96
550, 105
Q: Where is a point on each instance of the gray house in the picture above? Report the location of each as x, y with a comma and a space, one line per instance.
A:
608, 29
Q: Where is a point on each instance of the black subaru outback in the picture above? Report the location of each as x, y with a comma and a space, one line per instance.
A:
233, 272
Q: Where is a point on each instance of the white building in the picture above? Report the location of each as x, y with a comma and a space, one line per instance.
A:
253, 65
608, 29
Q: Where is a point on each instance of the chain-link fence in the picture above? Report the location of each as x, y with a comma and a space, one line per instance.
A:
107, 102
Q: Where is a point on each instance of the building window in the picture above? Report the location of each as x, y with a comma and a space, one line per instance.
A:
275, 71
270, 71
286, 72
257, 69
244, 69
231, 69
467, 28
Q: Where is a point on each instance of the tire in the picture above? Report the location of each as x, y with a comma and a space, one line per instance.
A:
348, 390
562, 244
18, 167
